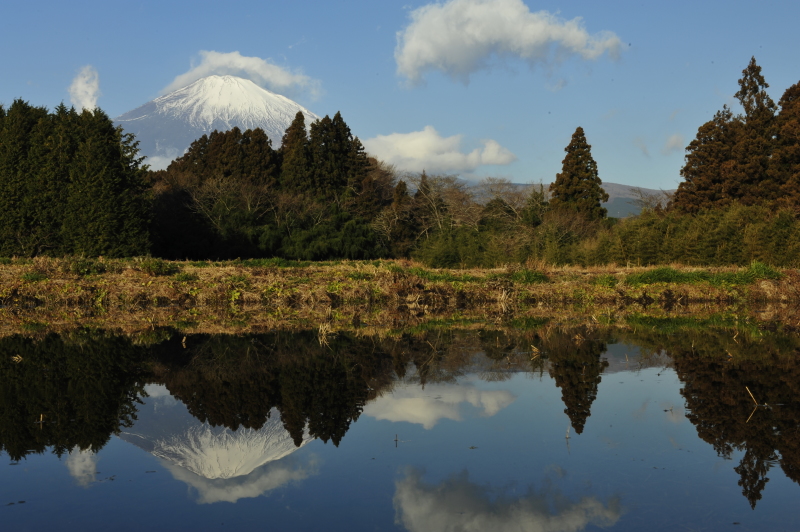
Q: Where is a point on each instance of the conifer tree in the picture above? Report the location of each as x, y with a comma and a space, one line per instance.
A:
19, 123
578, 186
106, 212
785, 162
295, 163
709, 165
750, 182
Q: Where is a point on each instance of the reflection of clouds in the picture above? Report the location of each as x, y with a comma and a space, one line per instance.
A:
261, 481
460, 505
156, 390
82, 465
438, 402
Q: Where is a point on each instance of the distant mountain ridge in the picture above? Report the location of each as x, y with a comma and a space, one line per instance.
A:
166, 127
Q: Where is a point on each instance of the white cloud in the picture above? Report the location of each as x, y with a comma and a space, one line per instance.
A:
260, 71
460, 37
436, 402
260, 482
460, 505
429, 151
82, 466
674, 143
85, 89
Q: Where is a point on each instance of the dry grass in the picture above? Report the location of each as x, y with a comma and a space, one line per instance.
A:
371, 297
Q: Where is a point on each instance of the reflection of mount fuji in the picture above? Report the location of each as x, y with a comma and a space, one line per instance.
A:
166, 429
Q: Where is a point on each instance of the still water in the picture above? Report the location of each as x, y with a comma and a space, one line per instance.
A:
551, 430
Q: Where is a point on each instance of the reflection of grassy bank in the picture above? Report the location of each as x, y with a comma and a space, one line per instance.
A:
380, 295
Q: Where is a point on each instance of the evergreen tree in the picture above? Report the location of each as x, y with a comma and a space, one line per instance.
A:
295, 164
750, 182
785, 162
709, 165
19, 123
106, 212
578, 186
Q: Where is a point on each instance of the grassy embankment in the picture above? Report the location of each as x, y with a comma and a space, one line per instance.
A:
260, 295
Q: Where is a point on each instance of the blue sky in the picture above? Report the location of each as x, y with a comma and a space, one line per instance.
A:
473, 87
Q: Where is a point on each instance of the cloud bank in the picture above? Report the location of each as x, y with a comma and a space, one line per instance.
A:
429, 151
460, 505
460, 37
85, 89
262, 72
427, 407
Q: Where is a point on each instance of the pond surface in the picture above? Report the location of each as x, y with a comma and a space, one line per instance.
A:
558, 430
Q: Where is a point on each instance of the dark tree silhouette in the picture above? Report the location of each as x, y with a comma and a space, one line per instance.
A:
578, 186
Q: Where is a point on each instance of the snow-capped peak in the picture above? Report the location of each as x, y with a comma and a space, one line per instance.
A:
166, 126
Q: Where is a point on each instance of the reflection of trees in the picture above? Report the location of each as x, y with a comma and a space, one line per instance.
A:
717, 366
575, 364
236, 380
719, 406
66, 391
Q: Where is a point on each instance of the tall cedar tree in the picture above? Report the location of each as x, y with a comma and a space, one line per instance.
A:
578, 186
16, 133
750, 183
295, 163
729, 160
106, 212
785, 162
709, 165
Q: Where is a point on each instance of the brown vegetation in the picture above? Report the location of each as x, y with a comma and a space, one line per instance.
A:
370, 296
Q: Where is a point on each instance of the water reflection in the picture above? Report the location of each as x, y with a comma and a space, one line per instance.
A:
82, 466
405, 403
458, 504
249, 401
221, 464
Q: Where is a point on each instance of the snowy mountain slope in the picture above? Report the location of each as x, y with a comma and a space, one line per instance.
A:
166, 126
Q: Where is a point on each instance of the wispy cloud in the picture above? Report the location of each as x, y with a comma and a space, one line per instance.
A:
640, 143
458, 504
260, 71
85, 88
428, 150
460, 37
674, 143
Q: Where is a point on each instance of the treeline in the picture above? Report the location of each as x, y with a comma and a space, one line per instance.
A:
70, 183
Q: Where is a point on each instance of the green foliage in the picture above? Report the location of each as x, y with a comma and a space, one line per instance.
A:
434, 276
69, 184
525, 276
34, 277
731, 158
605, 280
184, 277
83, 266
360, 276
578, 186
756, 271
156, 267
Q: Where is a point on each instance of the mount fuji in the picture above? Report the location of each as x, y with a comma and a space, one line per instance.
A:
220, 463
166, 127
